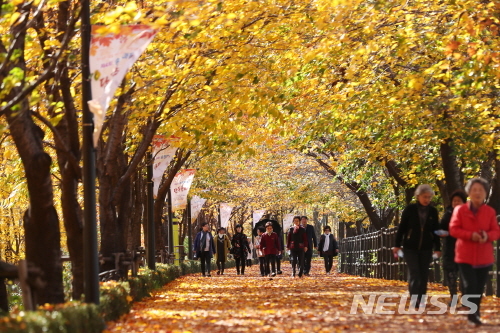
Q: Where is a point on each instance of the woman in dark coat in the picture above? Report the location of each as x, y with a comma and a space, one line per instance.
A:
328, 248
416, 233
240, 249
222, 245
297, 244
450, 267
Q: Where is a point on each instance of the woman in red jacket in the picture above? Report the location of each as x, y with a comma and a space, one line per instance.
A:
270, 245
475, 226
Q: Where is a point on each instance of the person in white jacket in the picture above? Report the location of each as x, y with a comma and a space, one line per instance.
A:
259, 252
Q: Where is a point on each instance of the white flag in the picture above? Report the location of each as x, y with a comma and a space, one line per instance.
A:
257, 214
287, 222
111, 56
163, 153
196, 206
179, 188
225, 214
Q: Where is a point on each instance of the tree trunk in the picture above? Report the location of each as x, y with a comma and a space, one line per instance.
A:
487, 167
452, 173
445, 198
494, 199
363, 197
375, 219
66, 138
68, 156
139, 199
41, 223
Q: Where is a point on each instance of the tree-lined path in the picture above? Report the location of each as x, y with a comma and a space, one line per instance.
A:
319, 303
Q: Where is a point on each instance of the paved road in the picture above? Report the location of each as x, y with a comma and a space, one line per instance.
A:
319, 303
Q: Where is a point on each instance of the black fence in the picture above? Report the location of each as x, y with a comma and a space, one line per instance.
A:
370, 255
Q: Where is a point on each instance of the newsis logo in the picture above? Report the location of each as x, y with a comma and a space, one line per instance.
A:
387, 303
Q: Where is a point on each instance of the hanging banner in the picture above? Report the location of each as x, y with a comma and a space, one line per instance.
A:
196, 206
111, 56
287, 222
179, 188
163, 153
257, 214
225, 214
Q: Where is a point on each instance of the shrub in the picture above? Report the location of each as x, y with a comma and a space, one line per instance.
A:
63, 318
115, 300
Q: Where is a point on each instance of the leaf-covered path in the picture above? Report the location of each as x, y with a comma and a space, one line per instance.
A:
318, 303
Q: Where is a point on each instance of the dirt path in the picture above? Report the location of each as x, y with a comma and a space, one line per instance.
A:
318, 303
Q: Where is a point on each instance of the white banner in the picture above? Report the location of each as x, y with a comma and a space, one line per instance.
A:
163, 153
287, 222
111, 56
225, 214
179, 188
257, 214
196, 206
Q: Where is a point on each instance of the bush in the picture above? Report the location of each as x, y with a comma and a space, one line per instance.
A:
64, 318
115, 300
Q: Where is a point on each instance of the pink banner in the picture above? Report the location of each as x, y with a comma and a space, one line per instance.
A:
163, 153
196, 206
179, 188
111, 56
257, 214
225, 214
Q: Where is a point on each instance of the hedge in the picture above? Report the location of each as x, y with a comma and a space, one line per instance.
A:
115, 300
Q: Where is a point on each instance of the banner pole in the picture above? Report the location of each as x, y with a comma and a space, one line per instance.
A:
170, 223
91, 265
218, 217
150, 222
190, 231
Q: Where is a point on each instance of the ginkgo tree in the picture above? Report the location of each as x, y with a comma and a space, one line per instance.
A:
397, 87
383, 95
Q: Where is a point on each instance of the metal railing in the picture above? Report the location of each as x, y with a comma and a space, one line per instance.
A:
370, 255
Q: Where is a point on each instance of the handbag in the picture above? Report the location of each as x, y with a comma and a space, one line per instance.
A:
231, 250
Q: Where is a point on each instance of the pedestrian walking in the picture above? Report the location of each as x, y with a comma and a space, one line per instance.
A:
270, 245
450, 267
240, 249
279, 257
312, 241
475, 227
204, 248
416, 233
328, 248
250, 254
259, 252
222, 246
297, 244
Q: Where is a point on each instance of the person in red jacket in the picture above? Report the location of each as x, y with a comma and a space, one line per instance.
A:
475, 227
270, 245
